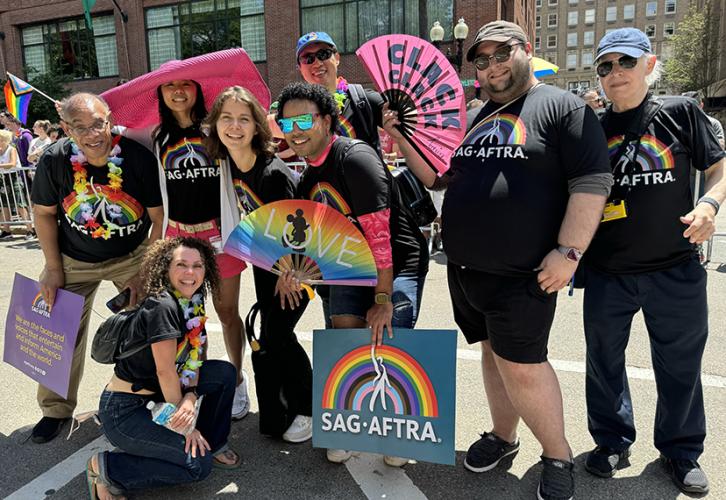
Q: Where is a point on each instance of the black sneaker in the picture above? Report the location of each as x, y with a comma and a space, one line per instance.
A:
487, 452
4, 234
557, 481
686, 474
604, 461
47, 429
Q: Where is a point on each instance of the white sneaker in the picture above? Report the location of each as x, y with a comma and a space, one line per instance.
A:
241, 401
338, 456
301, 429
394, 461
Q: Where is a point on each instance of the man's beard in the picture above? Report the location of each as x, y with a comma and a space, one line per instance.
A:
513, 86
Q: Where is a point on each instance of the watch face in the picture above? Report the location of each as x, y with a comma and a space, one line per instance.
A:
573, 255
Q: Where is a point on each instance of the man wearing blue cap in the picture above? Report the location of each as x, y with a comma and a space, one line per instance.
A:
643, 257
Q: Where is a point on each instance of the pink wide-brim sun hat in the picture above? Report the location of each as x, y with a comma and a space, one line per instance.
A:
135, 104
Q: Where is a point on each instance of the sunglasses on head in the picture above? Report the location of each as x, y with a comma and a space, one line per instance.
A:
625, 62
320, 55
500, 55
303, 122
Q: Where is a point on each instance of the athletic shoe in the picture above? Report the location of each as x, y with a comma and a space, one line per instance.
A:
338, 456
5, 234
604, 461
487, 452
241, 401
392, 461
47, 429
301, 429
686, 474
30, 235
557, 481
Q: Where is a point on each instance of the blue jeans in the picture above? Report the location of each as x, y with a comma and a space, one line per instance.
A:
356, 300
152, 455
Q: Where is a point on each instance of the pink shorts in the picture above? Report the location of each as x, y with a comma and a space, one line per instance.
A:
209, 231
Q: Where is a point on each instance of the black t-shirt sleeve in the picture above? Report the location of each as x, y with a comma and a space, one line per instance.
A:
45, 189
278, 183
583, 144
160, 318
376, 101
148, 169
366, 180
703, 144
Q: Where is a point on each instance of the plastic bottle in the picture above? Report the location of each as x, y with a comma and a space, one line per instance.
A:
161, 412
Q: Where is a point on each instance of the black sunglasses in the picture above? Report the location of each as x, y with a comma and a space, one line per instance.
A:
320, 55
625, 62
500, 55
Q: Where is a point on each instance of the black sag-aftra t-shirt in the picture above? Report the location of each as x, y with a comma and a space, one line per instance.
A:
158, 318
192, 178
362, 185
53, 186
508, 192
270, 179
653, 177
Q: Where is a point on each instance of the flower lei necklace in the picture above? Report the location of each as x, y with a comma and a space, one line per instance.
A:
107, 207
341, 92
190, 350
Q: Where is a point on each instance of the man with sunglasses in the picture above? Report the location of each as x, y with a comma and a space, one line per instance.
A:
643, 258
525, 193
96, 204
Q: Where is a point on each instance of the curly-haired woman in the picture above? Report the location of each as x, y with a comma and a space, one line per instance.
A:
178, 273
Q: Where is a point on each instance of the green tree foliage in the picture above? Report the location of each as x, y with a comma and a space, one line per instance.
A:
40, 108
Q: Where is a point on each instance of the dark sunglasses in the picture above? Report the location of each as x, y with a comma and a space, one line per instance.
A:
303, 122
320, 55
625, 62
500, 55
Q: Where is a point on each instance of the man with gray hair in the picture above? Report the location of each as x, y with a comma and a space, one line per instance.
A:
97, 204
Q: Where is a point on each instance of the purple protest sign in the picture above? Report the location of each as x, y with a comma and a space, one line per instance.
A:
39, 340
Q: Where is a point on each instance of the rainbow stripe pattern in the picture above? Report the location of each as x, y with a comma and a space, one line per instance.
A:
499, 129
351, 382
653, 153
325, 193
345, 128
247, 198
17, 97
123, 210
294, 233
184, 151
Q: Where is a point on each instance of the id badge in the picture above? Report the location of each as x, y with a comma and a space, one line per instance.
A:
614, 210
216, 242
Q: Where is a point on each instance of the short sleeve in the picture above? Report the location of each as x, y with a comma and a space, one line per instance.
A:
149, 174
159, 319
366, 180
583, 146
704, 146
45, 191
376, 101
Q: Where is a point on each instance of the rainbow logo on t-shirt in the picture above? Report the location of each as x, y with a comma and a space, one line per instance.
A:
247, 198
653, 153
345, 128
499, 129
121, 211
186, 152
326, 194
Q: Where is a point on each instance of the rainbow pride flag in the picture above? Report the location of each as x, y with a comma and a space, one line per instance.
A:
17, 97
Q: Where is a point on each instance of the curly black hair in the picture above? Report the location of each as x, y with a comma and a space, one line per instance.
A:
314, 93
156, 262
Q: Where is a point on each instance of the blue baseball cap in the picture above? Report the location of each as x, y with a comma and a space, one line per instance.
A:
629, 41
313, 37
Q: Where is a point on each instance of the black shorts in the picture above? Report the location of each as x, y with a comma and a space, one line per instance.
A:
514, 314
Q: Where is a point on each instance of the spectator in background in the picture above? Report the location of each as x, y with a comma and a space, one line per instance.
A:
55, 132
717, 127
8, 161
593, 99
39, 143
22, 139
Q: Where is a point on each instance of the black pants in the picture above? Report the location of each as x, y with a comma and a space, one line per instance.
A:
283, 373
674, 306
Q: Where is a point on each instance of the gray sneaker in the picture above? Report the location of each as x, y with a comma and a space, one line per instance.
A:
686, 474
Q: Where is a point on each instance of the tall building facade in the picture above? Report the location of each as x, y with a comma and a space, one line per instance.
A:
567, 33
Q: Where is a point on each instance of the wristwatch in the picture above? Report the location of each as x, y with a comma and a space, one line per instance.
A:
570, 253
382, 298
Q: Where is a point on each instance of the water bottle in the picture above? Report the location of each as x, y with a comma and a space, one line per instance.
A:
161, 412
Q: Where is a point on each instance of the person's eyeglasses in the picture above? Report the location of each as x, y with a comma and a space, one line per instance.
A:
500, 55
320, 55
99, 126
625, 62
303, 122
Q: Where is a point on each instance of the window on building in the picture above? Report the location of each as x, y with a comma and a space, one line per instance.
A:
536, 43
538, 21
571, 60
573, 87
586, 58
609, 30
572, 18
669, 29
651, 9
666, 50
196, 27
551, 41
573, 2
351, 23
589, 16
629, 12
585, 84
538, 3
572, 39
588, 38
650, 30
551, 20
67, 47
611, 14
551, 2
670, 6
551, 57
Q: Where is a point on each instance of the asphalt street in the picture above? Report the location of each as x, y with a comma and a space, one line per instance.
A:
274, 469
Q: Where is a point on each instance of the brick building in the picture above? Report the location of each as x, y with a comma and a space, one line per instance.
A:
50, 35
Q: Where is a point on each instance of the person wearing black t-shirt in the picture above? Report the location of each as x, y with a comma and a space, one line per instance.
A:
643, 258
351, 177
525, 193
240, 138
96, 202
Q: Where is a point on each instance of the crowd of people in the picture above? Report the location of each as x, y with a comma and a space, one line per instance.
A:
606, 205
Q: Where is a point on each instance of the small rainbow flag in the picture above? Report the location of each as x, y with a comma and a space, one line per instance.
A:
17, 97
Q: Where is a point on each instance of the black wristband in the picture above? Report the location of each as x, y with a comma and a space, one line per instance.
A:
192, 390
710, 201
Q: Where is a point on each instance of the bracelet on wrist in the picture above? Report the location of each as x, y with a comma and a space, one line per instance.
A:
710, 201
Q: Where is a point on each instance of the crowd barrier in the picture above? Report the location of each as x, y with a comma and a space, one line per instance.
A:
15, 207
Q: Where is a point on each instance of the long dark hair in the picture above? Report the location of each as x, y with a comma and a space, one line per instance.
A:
168, 124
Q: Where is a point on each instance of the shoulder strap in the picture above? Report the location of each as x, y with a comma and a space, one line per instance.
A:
637, 126
363, 110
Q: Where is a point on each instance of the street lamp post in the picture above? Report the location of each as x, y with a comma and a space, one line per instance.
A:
461, 31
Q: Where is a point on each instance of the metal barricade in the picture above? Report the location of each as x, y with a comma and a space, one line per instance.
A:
15, 206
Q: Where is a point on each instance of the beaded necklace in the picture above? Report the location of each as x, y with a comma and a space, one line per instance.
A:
341, 92
189, 350
107, 198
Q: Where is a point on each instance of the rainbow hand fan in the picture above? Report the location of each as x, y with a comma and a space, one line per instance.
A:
315, 241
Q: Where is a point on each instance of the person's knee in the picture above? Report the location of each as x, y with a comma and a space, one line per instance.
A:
200, 467
223, 371
228, 314
519, 374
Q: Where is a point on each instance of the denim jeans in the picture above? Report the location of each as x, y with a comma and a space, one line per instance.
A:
152, 455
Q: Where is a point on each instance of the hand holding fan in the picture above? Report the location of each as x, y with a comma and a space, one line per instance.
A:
315, 242
418, 81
